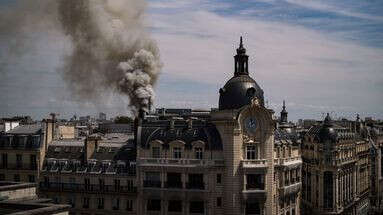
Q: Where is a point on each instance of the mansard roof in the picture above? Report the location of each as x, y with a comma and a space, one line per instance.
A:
180, 129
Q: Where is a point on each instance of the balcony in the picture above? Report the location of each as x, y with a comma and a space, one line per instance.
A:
257, 163
254, 194
288, 163
290, 189
152, 183
89, 188
178, 162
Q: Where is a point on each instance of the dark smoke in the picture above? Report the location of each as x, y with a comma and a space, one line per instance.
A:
111, 50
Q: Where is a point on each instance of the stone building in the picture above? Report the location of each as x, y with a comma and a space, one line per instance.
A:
230, 160
95, 175
375, 136
336, 169
22, 151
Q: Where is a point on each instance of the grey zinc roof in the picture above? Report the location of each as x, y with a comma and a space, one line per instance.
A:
26, 129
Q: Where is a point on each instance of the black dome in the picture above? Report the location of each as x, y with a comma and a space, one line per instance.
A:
238, 92
240, 89
327, 132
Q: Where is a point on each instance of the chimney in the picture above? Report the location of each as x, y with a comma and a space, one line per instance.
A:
91, 144
190, 123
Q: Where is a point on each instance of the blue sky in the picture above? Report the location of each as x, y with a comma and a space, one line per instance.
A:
320, 56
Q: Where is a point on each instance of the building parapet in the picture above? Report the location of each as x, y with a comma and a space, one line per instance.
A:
179, 162
88, 188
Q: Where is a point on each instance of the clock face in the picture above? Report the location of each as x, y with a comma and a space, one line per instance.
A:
250, 124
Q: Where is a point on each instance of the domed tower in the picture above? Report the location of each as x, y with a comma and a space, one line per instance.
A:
246, 129
241, 89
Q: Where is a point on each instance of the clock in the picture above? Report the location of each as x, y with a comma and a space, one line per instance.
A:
250, 124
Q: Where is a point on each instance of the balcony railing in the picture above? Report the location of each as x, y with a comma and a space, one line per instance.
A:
75, 187
151, 183
173, 184
179, 162
257, 163
290, 189
292, 162
195, 186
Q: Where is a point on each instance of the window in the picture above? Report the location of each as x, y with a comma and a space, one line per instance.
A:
87, 183
177, 152
250, 152
219, 178
33, 162
116, 204
71, 201
154, 205
85, 202
196, 207
5, 160
152, 179
156, 152
175, 206
129, 184
100, 203
129, 205
255, 182
117, 185
16, 178
31, 178
19, 160
2, 177
198, 153
219, 201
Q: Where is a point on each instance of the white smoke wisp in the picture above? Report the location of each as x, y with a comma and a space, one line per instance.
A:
110, 49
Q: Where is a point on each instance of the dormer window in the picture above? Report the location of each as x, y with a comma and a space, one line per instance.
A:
198, 153
177, 152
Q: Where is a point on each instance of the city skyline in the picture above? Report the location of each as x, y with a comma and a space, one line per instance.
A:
311, 54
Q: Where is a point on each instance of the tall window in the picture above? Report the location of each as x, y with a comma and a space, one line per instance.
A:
33, 162
100, 202
177, 152
198, 153
156, 152
154, 205
250, 152
85, 202
129, 205
117, 184
116, 204
31, 178
219, 178
87, 183
5, 160
19, 160
328, 190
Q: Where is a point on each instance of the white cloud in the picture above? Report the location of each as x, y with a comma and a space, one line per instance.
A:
317, 5
288, 61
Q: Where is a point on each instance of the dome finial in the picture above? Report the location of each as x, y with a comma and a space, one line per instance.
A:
284, 106
240, 43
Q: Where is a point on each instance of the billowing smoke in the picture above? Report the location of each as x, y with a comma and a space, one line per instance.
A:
111, 50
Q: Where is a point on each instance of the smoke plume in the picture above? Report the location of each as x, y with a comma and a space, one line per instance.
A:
111, 50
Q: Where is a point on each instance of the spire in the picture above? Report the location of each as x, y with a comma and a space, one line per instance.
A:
328, 120
283, 114
241, 60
